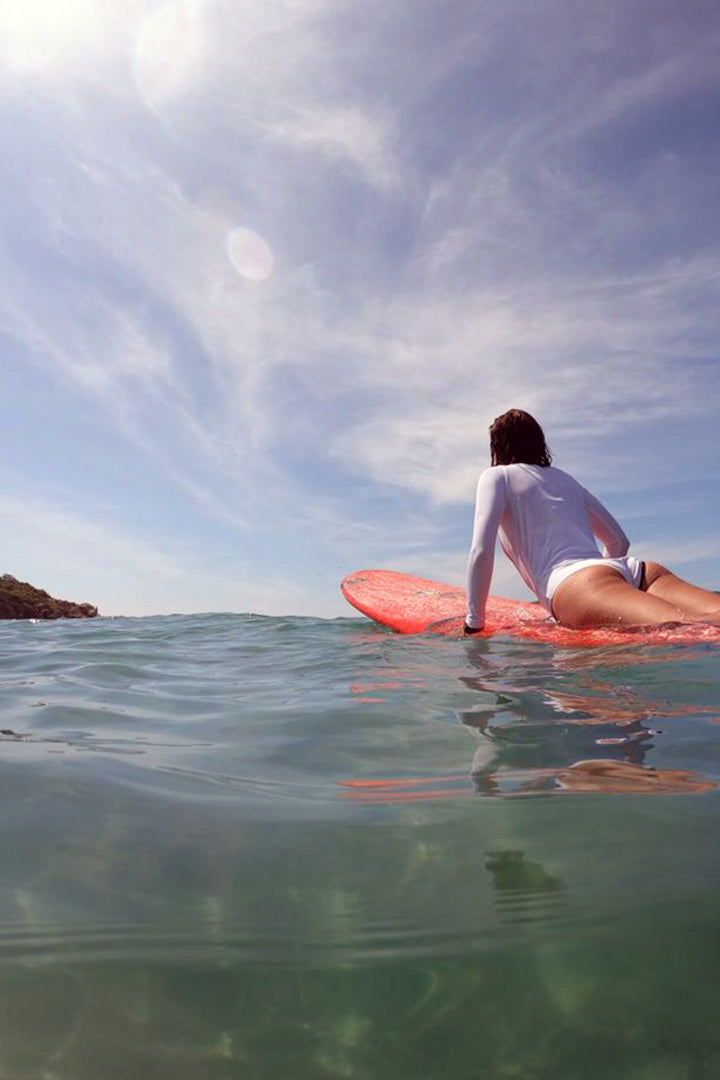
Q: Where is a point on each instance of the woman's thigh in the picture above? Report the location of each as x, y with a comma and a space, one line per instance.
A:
692, 600
599, 596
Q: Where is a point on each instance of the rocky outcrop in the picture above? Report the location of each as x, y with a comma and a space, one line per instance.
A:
19, 600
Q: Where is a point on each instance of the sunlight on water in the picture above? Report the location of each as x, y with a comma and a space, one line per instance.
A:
241, 844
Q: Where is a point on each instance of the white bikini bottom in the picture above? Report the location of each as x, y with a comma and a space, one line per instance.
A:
630, 568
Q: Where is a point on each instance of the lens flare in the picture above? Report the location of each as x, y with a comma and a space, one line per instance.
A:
250, 254
169, 52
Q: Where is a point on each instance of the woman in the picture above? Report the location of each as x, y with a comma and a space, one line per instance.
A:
548, 526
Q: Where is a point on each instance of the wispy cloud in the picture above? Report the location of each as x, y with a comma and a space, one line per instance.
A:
344, 134
455, 210
592, 361
126, 574
675, 553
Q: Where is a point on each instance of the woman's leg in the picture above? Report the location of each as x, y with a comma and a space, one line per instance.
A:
600, 596
693, 601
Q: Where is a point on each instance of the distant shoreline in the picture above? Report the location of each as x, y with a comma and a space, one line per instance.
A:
21, 600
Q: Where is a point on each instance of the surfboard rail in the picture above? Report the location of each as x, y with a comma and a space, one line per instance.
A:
414, 605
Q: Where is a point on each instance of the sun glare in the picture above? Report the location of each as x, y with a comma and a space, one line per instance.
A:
38, 33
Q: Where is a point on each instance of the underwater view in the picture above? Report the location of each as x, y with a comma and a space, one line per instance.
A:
237, 845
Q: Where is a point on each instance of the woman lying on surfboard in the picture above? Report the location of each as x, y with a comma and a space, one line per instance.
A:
549, 527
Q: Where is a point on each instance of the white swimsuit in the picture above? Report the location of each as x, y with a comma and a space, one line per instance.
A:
547, 524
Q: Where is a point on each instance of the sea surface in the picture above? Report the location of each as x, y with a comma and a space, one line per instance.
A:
239, 846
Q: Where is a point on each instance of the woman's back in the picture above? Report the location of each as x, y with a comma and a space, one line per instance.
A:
546, 521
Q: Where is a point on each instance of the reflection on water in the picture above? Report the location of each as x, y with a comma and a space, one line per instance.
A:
239, 845
540, 740
593, 777
598, 776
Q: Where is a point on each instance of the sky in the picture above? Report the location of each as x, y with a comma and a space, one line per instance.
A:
270, 268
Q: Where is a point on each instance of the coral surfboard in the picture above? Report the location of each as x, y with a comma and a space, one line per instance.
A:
413, 605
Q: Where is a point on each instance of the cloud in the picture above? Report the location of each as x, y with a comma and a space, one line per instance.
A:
592, 360
127, 574
451, 568
301, 253
170, 52
344, 133
282, 81
680, 553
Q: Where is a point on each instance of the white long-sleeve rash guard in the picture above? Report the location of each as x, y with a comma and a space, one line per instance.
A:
544, 518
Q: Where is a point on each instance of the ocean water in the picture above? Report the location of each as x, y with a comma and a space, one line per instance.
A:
238, 846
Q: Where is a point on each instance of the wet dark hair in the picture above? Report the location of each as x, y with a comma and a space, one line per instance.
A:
517, 438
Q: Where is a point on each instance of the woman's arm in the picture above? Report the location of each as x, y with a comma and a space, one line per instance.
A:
489, 505
614, 541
